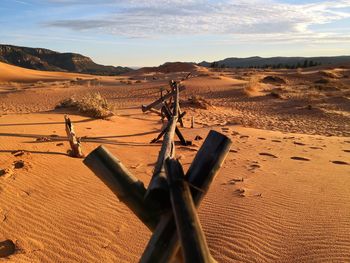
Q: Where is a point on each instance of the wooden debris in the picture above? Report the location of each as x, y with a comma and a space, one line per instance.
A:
73, 139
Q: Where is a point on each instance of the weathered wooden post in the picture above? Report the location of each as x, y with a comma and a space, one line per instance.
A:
73, 139
193, 243
168, 115
160, 100
158, 188
163, 245
123, 184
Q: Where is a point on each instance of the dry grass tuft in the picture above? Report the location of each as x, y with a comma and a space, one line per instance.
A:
252, 86
323, 80
199, 102
276, 94
276, 80
92, 105
330, 74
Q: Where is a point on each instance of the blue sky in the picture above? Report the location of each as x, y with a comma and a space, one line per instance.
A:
147, 33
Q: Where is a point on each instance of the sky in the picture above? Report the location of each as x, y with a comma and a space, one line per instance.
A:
149, 33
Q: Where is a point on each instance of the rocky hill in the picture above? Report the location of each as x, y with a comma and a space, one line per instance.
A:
169, 67
48, 60
277, 62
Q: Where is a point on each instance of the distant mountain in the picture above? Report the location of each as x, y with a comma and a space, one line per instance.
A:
48, 60
169, 67
277, 62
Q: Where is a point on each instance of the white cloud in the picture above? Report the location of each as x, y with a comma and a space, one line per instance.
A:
265, 19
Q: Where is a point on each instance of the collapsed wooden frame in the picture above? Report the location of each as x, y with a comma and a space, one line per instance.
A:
174, 219
165, 104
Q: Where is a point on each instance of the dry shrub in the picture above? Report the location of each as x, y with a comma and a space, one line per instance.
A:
273, 80
323, 80
92, 105
203, 75
330, 74
276, 94
39, 83
199, 102
252, 86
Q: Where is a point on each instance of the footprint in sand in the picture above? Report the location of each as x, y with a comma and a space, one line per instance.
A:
340, 162
299, 143
17, 153
187, 148
347, 151
234, 181
43, 139
299, 158
135, 166
276, 141
6, 173
268, 154
243, 136
7, 248
18, 164
240, 192
253, 166
316, 148
261, 138
198, 138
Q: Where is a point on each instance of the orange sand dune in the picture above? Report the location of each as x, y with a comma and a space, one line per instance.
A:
282, 194
18, 74
278, 198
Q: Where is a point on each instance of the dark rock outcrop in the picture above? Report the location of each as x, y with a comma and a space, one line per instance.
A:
48, 60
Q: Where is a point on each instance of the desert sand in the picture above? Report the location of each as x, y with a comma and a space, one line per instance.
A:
282, 194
